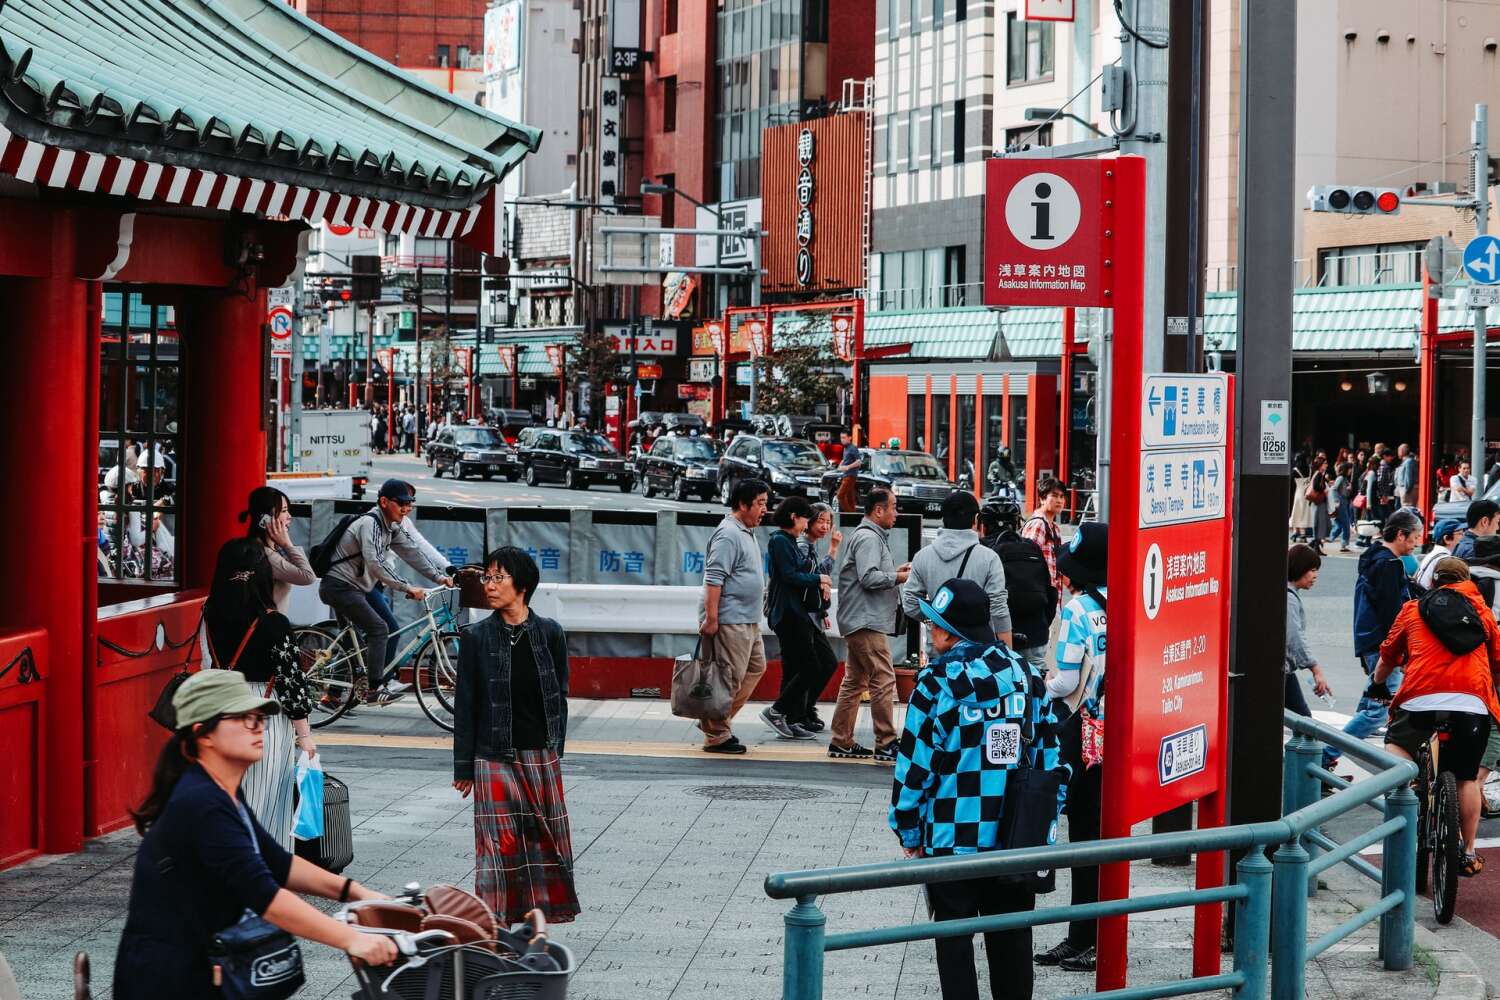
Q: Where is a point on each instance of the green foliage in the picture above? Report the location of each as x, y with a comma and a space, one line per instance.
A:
800, 373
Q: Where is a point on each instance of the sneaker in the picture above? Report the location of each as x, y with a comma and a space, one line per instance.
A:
1058, 953
853, 751
801, 732
1084, 961
813, 724
885, 754
778, 722
383, 697
729, 746
396, 687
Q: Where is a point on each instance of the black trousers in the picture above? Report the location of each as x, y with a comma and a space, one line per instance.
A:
1085, 795
1008, 952
799, 666
1295, 699
824, 662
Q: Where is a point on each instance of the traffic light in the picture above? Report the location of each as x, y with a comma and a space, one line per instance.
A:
1348, 200
364, 272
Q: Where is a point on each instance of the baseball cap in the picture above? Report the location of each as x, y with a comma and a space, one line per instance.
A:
217, 692
1448, 526
398, 490
962, 608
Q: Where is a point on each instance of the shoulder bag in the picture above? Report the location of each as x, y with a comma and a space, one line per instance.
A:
162, 713
253, 959
702, 688
1029, 808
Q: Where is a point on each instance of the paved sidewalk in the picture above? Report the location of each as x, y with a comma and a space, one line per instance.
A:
671, 856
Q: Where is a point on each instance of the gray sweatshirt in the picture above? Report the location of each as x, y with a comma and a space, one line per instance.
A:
1298, 656
867, 581
362, 555
938, 563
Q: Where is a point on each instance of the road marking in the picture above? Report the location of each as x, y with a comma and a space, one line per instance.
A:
792, 752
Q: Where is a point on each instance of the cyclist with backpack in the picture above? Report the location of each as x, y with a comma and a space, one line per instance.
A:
354, 559
1029, 591
1449, 644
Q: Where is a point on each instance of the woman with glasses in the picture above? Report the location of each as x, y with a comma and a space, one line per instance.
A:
205, 860
510, 721
247, 634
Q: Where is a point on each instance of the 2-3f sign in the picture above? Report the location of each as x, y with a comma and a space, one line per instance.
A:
1047, 229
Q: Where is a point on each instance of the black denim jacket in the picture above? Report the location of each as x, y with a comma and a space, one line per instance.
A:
481, 705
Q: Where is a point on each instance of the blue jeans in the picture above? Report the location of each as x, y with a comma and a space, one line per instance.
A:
382, 608
1369, 715
1343, 523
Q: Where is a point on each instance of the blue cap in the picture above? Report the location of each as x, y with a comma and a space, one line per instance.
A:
398, 490
1447, 526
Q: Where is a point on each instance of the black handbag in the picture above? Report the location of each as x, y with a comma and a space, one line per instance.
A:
256, 960
1029, 811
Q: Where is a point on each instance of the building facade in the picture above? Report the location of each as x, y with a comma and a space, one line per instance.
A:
437, 41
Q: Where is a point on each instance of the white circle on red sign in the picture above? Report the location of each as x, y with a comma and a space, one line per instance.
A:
1042, 211
1153, 581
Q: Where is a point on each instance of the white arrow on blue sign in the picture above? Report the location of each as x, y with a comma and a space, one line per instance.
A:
1482, 260
1182, 486
1184, 411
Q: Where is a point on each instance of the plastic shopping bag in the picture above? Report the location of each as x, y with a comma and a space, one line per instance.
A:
308, 824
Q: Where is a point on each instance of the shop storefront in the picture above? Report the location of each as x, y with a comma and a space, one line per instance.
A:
137, 238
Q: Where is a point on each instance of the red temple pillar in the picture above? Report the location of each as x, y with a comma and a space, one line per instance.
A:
1041, 435
224, 447
953, 428
978, 483
50, 554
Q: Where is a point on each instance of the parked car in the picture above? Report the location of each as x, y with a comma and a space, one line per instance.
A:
788, 465
1459, 509
467, 450
681, 466
919, 483
577, 459
683, 423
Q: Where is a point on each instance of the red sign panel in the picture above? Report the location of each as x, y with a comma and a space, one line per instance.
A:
1048, 232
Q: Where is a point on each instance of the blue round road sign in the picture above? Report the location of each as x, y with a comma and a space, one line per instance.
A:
1482, 260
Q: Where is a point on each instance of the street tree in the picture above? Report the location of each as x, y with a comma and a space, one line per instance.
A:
800, 373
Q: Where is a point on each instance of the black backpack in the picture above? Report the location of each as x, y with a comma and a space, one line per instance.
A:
1452, 619
322, 555
1028, 583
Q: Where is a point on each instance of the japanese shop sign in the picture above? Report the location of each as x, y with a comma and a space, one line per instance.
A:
610, 100
1048, 232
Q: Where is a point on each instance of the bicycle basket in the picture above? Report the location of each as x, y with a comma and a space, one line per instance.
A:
486, 976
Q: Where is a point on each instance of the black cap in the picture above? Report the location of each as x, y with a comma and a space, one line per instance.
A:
1085, 558
960, 505
962, 608
398, 490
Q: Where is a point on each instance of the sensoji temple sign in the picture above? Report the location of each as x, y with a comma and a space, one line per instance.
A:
161, 163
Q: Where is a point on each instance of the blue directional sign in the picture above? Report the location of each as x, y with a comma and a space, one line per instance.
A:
1482, 260
1182, 486
1184, 411
1182, 754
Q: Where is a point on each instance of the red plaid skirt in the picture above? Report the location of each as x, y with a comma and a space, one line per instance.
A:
523, 850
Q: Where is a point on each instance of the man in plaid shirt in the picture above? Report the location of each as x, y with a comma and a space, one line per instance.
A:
1042, 526
967, 727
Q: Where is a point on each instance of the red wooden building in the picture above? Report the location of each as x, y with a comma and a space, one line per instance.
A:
160, 165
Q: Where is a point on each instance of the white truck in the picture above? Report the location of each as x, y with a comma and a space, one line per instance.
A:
336, 443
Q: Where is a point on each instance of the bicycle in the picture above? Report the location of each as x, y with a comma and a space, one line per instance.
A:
333, 660
1439, 837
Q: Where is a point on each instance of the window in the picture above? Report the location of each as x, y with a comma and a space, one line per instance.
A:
960, 10
662, 447
937, 14
669, 104
1028, 136
959, 109
442, 56
913, 137
894, 10
1370, 264
463, 57
139, 377
1028, 49
936, 135
669, 17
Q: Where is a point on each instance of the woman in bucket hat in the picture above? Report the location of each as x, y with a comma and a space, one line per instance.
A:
205, 860
1077, 687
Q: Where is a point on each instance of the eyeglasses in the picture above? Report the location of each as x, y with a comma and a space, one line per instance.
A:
253, 721
489, 578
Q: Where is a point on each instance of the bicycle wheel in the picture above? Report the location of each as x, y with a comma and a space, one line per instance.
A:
1424, 821
435, 675
1447, 849
331, 668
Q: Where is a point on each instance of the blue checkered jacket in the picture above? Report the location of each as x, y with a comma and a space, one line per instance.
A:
968, 724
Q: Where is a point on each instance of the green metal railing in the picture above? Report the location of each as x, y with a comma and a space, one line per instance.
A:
1270, 896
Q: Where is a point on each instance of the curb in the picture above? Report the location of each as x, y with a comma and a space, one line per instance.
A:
1459, 977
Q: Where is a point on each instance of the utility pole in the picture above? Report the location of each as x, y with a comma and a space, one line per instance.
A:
1144, 35
1481, 159
297, 366
370, 355
418, 409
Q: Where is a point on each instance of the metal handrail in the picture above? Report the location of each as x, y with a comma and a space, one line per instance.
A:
1282, 884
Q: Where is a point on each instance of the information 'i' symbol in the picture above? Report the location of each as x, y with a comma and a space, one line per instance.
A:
1043, 228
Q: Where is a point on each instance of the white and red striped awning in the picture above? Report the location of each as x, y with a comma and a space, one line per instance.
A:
143, 180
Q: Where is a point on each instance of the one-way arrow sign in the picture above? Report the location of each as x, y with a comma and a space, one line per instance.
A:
1152, 401
1213, 472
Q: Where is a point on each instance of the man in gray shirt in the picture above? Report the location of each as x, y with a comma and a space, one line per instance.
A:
734, 587
958, 552
360, 563
869, 592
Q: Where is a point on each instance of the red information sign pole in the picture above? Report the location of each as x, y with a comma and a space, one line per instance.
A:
1072, 233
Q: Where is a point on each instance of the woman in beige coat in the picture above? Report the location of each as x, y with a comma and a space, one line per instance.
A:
270, 522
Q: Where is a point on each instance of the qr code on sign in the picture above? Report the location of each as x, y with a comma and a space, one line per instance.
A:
1002, 743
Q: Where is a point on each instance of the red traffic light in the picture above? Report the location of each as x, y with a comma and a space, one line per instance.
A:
1388, 201
345, 295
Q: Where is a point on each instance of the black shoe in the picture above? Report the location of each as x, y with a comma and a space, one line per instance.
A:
1058, 953
729, 746
813, 724
853, 751
1084, 961
886, 754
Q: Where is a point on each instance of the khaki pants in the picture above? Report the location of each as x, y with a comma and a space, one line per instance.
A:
741, 647
848, 495
868, 666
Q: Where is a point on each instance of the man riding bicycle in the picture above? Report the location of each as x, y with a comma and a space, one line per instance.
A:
1446, 682
360, 563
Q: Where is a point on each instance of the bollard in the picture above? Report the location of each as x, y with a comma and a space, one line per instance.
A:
1310, 790
1399, 866
1291, 784
802, 974
1288, 922
1252, 924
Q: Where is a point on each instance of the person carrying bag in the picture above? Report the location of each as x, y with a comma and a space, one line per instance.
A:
702, 687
